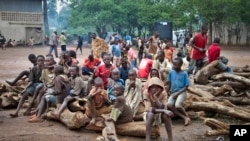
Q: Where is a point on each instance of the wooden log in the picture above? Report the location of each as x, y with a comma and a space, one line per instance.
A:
219, 108
195, 115
244, 74
240, 69
138, 130
233, 84
218, 127
72, 120
201, 77
217, 132
77, 105
10, 99
2, 88
217, 91
199, 92
231, 76
234, 100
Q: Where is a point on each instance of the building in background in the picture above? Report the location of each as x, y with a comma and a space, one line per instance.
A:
21, 19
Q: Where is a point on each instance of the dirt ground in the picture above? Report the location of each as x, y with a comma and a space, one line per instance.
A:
14, 60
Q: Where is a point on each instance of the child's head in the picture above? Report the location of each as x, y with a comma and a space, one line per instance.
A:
118, 89
72, 53
177, 63
155, 85
91, 57
154, 73
217, 40
115, 74
98, 82
160, 55
32, 58
40, 60
106, 59
58, 70
54, 62
49, 60
124, 62
102, 54
74, 71
67, 56
132, 74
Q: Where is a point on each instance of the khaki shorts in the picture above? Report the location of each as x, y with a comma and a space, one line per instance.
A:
178, 102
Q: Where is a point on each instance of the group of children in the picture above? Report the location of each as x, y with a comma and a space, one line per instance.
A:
115, 89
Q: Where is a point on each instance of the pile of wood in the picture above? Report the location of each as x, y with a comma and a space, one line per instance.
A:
10, 95
220, 93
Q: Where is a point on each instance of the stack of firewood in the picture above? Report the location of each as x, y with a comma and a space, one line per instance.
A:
221, 93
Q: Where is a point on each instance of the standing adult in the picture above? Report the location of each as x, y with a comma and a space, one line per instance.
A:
153, 44
79, 45
53, 43
198, 52
98, 46
63, 42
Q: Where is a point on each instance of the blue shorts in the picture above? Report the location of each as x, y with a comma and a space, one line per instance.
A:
51, 99
31, 89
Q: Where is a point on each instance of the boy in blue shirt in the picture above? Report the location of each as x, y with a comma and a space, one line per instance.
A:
178, 83
116, 52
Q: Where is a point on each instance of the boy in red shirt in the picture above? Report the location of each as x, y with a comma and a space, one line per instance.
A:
214, 54
90, 64
214, 51
198, 52
145, 66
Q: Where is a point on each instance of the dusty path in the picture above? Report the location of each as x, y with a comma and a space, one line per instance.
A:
14, 60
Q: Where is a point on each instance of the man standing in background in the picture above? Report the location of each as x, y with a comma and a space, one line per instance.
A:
63, 42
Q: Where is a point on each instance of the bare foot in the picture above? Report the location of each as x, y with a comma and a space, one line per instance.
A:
14, 115
187, 122
36, 119
32, 116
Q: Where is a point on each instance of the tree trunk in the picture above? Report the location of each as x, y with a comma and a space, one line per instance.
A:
201, 77
138, 130
199, 92
72, 120
218, 127
219, 108
45, 18
240, 69
234, 100
210, 38
232, 76
235, 85
244, 74
217, 91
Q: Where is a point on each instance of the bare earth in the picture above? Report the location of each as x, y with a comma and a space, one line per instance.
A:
14, 60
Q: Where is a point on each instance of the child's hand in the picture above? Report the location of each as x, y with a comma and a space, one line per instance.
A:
156, 94
132, 84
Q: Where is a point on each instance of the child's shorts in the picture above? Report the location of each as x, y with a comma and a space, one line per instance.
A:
51, 99
178, 102
31, 89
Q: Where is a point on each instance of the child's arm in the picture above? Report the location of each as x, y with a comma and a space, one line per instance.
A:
176, 94
167, 112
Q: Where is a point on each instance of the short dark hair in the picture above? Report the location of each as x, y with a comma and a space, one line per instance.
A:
40, 56
217, 40
179, 60
32, 56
